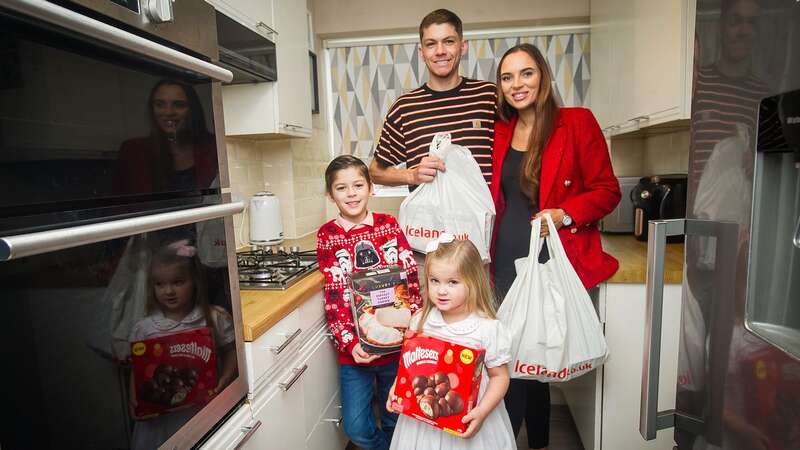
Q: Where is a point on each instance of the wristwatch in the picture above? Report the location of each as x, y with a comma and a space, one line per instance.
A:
566, 220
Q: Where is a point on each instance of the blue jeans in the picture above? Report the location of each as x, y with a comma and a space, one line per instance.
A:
358, 393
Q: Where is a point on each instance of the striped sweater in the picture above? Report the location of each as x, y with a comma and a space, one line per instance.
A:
467, 112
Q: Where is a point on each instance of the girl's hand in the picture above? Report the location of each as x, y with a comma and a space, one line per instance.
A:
475, 419
362, 357
389, 398
556, 214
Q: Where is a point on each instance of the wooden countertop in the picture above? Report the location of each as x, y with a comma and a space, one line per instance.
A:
263, 309
632, 256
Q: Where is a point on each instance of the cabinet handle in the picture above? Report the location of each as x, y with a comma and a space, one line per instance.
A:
250, 432
269, 29
279, 348
293, 126
298, 372
639, 119
337, 422
12, 247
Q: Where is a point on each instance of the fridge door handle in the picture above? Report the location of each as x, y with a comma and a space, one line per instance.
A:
13, 247
796, 239
650, 420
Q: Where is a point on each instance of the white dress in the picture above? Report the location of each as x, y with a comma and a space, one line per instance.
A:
149, 434
495, 433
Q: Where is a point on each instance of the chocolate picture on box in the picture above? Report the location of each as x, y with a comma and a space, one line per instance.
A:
438, 382
381, 308
173, 371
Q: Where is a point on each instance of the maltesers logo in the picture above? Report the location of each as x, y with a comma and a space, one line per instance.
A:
420, 355
190, 350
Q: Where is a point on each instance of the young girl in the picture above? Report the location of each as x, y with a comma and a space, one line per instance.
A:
459, 308
359, 240
178, 301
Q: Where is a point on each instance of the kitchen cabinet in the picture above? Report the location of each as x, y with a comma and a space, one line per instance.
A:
257, 15
605, 403
296, 395
283, 107
641, 62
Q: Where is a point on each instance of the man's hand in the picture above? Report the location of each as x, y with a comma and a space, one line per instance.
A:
362, 357
425, 172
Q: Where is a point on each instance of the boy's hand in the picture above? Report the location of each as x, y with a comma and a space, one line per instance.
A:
362, 357
475, 419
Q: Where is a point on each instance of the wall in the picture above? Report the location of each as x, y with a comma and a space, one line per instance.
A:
650, 154
349, 18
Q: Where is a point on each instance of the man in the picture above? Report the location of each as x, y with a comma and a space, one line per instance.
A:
727, 93
448, 102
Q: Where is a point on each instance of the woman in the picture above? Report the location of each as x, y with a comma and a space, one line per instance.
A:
546, 159
178, 155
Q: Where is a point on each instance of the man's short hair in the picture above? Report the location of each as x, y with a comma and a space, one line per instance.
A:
441, 16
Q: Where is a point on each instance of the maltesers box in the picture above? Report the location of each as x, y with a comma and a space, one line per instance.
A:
437, 381
381, 307
173, 371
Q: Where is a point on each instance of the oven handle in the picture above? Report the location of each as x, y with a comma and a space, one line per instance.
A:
13, 247
86, 26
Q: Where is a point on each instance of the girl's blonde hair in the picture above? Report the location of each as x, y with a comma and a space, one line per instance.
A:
463, 255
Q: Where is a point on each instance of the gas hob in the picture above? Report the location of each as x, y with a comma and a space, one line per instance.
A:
274, 268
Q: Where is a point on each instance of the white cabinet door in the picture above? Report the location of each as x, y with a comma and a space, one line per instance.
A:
232, 432
294, 79
661, 65
262, 354
642, 54
624, 328
328, 434
603, 77
255, 14
282, 107
279, 408
323, 379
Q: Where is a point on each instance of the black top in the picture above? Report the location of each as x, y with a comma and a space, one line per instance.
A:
514, 234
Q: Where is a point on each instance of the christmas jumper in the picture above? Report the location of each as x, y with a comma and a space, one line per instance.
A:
362, 248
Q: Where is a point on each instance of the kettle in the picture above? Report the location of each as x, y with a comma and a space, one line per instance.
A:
266, 226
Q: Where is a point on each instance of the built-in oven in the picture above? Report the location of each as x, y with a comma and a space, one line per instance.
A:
115, 220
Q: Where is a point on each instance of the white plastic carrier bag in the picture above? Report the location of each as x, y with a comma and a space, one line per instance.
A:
556, 335
457, 201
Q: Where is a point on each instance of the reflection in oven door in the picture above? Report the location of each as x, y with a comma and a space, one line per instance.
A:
106, 343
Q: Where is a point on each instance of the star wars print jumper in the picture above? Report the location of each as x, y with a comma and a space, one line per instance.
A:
362, 248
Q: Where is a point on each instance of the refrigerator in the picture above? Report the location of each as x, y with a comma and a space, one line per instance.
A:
738, 383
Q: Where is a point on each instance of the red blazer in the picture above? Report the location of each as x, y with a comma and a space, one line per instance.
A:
576, 177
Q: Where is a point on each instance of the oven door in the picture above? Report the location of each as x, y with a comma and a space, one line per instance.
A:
97, 122
94, 318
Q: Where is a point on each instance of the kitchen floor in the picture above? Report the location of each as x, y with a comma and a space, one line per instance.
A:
563, 434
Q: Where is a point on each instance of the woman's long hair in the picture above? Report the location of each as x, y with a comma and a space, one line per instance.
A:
463, 255
546, 112
196, 131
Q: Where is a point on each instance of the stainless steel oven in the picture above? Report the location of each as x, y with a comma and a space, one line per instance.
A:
113, 167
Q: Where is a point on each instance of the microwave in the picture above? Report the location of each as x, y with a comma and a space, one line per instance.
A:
111, 144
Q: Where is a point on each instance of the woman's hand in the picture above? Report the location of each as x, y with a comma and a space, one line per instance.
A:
362, 357
556, 214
